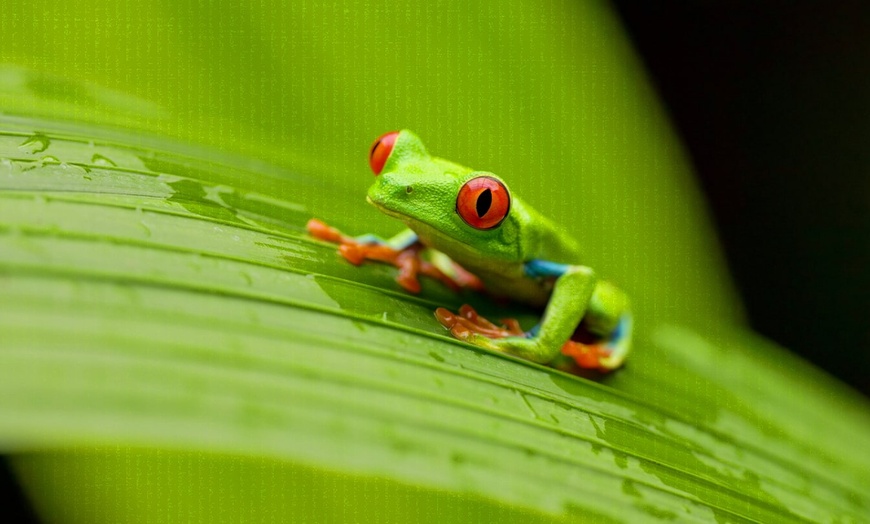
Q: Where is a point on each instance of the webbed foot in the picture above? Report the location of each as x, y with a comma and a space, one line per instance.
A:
588, 356
467, 323
470, 327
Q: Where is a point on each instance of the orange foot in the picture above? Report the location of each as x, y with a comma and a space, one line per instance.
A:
407, 260
587, 356
468, 322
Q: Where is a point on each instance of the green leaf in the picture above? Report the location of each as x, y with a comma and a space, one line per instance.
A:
149, 309
174, 347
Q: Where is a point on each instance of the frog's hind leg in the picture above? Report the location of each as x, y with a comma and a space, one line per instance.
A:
568, 304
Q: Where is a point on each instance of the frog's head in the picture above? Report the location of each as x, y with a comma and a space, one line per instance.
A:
464, 213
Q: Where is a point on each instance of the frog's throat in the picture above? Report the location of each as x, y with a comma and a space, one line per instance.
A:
423, 229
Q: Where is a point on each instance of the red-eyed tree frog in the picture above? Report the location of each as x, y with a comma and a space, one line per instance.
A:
495, 242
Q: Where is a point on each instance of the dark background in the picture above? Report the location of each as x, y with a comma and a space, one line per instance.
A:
773, 104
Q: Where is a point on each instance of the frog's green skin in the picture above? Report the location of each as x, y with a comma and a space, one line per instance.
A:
421, 191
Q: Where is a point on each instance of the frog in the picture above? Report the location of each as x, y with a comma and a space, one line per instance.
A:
466, 229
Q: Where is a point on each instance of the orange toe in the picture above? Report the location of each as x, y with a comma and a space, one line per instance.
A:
468, 322
409, 282
586, 355
352, 253
513, 326
319, 229
445, 317
460, 331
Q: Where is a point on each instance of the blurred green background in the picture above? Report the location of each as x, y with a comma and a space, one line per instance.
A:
206, 103
550, 96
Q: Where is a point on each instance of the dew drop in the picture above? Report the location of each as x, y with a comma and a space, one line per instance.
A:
48, 159
100, 160
34, 144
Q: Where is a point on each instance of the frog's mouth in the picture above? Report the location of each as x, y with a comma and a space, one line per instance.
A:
423, 229
386, 210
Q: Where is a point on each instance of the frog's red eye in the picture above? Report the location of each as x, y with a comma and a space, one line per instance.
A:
483, 202
381, 150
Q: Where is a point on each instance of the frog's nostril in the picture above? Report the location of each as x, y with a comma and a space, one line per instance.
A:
409, 189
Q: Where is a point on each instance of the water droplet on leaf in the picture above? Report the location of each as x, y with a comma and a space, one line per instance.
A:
99, 160
35, 144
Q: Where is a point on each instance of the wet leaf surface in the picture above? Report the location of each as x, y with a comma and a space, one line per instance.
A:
156, 314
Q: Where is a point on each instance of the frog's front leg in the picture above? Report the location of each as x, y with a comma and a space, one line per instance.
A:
568, 303
402, 251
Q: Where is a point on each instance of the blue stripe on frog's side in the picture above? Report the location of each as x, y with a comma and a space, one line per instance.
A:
370, 239
399, 242
544, 268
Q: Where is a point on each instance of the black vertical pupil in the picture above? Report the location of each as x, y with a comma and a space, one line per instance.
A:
484, 201
374, 148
